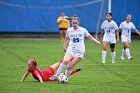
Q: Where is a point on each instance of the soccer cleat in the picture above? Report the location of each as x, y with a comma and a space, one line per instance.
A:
53, 78
103, 62
122, 58
130, 58
78, 68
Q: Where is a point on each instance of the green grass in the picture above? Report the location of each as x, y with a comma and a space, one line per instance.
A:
121, 77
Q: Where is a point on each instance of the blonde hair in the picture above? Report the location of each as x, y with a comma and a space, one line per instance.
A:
76, 18
34, 62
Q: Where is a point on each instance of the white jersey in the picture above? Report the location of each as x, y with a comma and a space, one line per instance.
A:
109, 28
76, 44
126, 29
109, 31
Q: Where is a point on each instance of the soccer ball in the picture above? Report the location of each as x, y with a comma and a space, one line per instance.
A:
63, 79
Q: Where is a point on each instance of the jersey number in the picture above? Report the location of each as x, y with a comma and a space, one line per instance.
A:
108, 31
128, 30
75, 40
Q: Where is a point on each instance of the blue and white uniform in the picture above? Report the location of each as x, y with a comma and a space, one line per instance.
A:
76, 44
109, 29
126, 31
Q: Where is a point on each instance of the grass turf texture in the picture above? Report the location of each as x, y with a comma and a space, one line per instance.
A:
121, 77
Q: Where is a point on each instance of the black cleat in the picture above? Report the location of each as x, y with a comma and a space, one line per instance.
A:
131, 58
78, 68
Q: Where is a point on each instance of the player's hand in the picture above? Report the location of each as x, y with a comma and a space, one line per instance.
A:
64, 49
98, 42
63, 19
101, 38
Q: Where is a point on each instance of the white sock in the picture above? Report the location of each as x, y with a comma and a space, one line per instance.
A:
60, 69
67, 73
103, 55
127, 51
123, 53
113, 56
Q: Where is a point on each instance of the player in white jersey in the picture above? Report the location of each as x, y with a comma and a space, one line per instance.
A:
126, 28
74, 46
109, 30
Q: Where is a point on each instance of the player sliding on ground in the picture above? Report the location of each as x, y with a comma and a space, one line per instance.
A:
74, 47
109, 30
42, 75
126, 27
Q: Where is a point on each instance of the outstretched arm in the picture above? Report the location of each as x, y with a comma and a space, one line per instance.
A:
91, 38
137, 31
24, 76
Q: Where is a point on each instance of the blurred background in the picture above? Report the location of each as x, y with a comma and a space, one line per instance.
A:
37, 18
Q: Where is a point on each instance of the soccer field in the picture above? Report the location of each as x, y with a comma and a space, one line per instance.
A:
121, 77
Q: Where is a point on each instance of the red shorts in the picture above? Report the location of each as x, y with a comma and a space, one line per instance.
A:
49, 71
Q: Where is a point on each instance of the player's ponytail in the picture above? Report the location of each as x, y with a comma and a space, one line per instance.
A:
35, 62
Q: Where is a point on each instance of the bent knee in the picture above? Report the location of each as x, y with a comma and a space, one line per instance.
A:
126, 46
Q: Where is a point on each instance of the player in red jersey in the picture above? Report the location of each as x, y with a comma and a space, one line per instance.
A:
42, 75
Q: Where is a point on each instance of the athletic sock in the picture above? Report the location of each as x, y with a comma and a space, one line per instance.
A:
113, 56
127, 51
123, 53
67, 73
103, 55
60, 69
73, 71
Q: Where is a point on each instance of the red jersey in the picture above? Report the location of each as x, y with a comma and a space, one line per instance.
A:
45, 74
